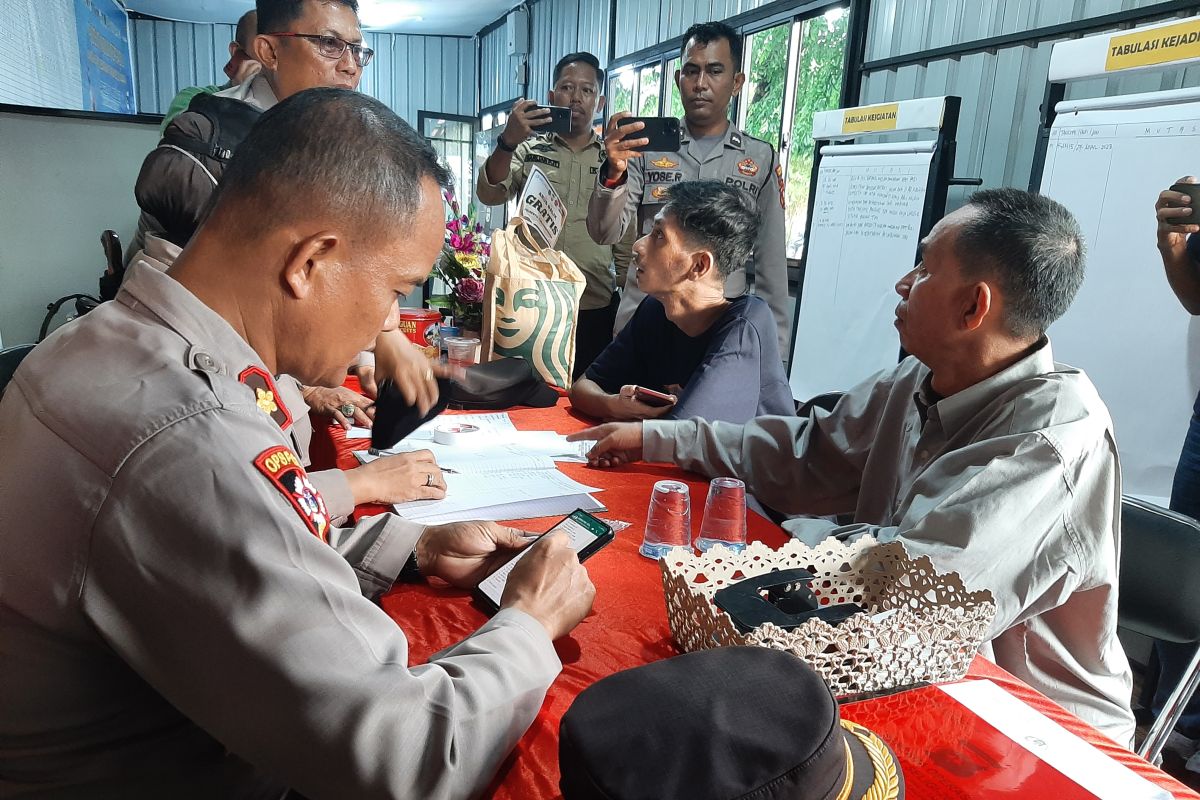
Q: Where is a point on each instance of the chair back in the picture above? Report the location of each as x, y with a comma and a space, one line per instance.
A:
1160, 572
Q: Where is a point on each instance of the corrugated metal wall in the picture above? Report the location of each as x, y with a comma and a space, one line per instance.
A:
409, 73
643, 23
1002, 90
497, 71
556, 27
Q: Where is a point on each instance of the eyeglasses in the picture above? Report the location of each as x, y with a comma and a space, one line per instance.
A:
334, 47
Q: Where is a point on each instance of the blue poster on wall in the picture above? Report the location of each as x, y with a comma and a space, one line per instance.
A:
103, 31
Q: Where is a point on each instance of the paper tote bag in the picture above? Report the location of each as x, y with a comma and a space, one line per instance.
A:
531, 303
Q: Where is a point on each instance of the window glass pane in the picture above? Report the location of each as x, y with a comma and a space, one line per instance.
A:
650, 79
818, 88
621, 86
502, 118
486, 122
763, 92
674, 103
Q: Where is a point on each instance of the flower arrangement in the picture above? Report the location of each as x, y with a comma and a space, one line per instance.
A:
460, 265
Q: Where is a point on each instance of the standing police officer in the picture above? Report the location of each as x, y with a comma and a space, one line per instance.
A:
632, 182
571, 162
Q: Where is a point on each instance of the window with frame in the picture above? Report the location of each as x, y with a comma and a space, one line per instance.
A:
794, 68
453, 138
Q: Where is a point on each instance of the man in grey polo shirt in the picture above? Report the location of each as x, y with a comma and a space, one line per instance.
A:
633, 185
979, 451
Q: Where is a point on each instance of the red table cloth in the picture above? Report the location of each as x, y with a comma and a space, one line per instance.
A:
628, 627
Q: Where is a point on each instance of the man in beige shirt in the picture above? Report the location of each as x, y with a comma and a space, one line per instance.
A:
979, 451
178, 615
571, 162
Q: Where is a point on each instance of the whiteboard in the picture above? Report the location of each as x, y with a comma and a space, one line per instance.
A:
1126, 329
866, 224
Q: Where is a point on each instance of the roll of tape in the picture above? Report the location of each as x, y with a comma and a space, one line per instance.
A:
454, 434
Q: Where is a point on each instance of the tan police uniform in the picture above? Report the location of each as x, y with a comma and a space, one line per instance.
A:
175, 620
573, 175
738, 160
332, 484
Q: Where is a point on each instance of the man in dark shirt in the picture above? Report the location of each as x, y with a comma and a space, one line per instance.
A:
717, 358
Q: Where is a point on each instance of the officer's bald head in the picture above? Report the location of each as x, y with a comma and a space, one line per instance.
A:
329, 153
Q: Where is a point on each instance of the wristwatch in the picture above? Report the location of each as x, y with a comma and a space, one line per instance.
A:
503, 145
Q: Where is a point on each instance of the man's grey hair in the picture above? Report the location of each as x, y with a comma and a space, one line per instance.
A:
331, 151
720, 218
1032, 247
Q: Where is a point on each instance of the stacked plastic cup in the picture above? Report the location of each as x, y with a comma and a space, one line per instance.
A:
724, 515
669, 521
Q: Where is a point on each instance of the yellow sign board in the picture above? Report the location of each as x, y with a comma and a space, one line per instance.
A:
1157, 46
868, 119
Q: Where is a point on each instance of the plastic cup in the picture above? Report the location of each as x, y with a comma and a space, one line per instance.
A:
669, 521
724, 515
461, 352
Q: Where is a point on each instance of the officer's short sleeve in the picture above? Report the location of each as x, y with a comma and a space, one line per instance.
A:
208, 576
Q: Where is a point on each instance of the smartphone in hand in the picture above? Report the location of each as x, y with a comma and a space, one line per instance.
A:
1192, 190
652, 398
663, 132
587, 534
560, 120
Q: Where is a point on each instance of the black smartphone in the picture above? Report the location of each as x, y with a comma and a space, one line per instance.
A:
652, 398
663, 133
587, 534
1192, 190
560, 119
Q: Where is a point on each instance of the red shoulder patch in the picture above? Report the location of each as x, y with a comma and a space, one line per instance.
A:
266, 396
283, 468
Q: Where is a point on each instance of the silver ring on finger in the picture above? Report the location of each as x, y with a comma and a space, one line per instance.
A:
429, 479
347, 409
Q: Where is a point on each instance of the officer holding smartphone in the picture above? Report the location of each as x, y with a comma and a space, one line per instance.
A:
571, 159
633, 184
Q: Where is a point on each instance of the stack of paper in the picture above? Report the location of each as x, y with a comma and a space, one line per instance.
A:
496, 435
499, 473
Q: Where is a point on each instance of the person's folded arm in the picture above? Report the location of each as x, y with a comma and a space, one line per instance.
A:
205, 579
1000, 513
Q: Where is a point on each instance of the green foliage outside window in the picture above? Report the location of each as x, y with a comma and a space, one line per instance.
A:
818, 88
622, 92
651, 79
674, 102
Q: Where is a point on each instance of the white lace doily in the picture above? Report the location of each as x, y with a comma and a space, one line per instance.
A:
933, 630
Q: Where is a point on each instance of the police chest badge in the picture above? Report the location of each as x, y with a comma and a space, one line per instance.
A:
283, 469
665, 163
266, 396
748, 167
658, 192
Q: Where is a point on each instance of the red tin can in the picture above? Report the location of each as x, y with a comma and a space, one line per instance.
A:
420, 325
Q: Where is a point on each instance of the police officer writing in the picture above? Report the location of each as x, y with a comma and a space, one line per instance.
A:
633, 185
186, 622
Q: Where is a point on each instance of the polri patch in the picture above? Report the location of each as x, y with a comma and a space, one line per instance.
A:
748, 167
283, 468
266, 396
